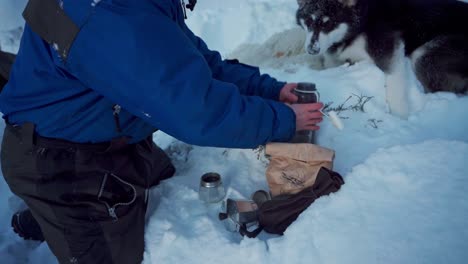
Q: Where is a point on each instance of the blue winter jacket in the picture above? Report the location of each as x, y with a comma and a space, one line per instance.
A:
140, 55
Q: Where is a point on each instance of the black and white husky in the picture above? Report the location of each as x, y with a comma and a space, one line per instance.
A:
432, 33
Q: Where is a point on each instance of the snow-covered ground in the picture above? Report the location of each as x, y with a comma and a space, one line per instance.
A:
405, 198
11, 24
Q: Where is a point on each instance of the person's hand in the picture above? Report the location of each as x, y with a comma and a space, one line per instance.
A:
286, 94
307, 116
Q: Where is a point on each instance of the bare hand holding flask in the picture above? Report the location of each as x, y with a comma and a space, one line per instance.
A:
306, 119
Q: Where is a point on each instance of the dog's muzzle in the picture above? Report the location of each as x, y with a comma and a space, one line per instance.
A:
313, 48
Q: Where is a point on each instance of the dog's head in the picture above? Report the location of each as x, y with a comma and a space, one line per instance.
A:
326, 22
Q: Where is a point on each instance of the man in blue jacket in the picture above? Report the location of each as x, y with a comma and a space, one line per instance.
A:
78, 142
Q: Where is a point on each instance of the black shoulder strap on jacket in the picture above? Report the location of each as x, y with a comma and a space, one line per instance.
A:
6, 62
47, 19
191, 4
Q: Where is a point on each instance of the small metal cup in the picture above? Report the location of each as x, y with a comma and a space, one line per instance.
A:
307, 93
237, 213
211, 188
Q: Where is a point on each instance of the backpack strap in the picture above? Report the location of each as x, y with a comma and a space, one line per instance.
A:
191, 4
3, 82
48, 20
250, 234
6, 62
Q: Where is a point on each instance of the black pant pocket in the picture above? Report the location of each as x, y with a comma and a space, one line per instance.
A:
116, 194
163, 164
159, 165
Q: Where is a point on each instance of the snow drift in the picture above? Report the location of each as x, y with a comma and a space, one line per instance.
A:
404, 200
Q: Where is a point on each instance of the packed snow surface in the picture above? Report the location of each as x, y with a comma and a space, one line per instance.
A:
405, 197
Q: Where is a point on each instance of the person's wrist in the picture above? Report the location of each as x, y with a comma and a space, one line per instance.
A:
278, 86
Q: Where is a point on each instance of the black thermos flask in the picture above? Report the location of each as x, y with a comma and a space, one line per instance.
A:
307, 93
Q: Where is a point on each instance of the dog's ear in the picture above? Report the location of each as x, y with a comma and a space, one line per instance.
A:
348, 3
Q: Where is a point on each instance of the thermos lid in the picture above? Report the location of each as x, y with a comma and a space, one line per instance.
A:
210, 180
306, 88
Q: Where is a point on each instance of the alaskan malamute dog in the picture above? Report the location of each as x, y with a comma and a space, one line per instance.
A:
433, 33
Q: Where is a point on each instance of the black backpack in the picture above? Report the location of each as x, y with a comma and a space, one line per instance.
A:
6, 61
276, 214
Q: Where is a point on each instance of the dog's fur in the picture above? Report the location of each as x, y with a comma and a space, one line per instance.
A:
433, 33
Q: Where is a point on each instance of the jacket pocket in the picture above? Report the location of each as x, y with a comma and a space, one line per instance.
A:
116, 193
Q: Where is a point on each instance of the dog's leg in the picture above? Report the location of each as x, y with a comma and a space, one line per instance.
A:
388, 53
396, 84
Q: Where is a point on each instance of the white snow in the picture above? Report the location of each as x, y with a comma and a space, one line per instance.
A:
10, 13
11, 24
405, 198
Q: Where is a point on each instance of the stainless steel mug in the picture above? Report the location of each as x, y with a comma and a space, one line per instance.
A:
211, 188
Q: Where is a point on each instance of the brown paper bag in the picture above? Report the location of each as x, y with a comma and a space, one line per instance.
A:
294, 167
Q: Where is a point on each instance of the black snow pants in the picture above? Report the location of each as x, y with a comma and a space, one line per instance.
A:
89, 199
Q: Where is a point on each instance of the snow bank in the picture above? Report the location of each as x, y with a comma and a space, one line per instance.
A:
404, 200
10, 13
405, 204
225, 25
11, 24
